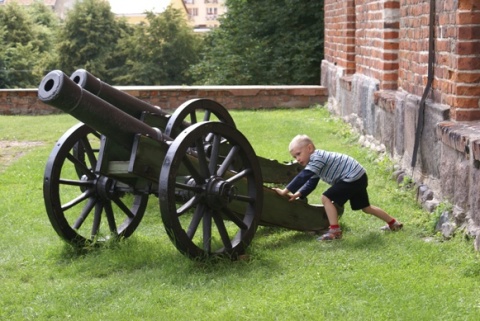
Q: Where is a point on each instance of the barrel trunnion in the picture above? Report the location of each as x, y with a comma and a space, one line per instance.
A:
206, 175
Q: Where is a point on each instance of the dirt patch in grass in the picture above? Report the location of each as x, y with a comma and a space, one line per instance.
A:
10, 151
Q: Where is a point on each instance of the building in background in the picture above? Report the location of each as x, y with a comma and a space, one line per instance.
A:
203, 14
134, 11
59, 6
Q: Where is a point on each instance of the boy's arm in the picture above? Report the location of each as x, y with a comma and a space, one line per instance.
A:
296, 185
299, 181
309, 186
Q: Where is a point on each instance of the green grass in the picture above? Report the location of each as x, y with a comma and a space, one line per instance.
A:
289, 276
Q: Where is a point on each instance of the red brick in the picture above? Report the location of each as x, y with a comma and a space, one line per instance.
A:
467, 17
468, 5
468, 47
466, 77
465, 115
469, 32
468, 63
465, 102
466, 90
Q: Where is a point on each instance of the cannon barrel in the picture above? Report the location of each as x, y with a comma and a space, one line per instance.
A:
123, 101
58, 90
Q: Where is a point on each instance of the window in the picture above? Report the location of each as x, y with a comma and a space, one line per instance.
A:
189, 1
193, 12
211, 11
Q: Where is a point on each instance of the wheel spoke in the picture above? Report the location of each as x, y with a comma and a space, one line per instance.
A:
239, 175
214, 154
228, 160
197, 217
188, 205
222, 230
73, 182
123, 207
202, 157
192, 170
80, 165
193, 117
207, 231
85, 212
77, 200
234, 218
97, 219
244, 198
111, 218
207, 115
186, 187
89, 151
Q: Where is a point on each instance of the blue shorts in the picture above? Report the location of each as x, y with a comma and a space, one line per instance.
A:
355, 192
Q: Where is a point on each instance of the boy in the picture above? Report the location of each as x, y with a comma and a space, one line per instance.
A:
348, 180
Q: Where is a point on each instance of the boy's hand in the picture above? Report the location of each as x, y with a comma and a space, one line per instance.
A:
283, 192
286, 192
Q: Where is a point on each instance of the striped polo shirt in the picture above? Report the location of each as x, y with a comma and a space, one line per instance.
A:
332, 167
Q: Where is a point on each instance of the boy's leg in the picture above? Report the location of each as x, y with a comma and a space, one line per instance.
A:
334, 233
378, 212
331, 210
393, 225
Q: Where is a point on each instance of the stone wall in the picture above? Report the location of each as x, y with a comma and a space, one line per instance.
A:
379, 85
25, 102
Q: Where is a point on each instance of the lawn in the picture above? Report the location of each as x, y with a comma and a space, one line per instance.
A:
288, 275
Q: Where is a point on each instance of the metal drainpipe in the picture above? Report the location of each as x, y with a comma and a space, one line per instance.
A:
431, 60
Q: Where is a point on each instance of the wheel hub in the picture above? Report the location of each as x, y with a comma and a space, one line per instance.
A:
219, 192
105, 187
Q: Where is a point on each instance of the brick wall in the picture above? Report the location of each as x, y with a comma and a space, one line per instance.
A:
25, 102
458, 60
387, 40
413, 49
457, 51
381, 95
377, 40
339, 45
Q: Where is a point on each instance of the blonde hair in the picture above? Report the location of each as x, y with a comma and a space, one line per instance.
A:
300, 141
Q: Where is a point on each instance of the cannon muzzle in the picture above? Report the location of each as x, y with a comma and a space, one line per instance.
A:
58, 90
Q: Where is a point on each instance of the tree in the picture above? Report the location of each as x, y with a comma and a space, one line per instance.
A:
159, 52
3, 66
264, 42
47, 26
24, 42
88, 38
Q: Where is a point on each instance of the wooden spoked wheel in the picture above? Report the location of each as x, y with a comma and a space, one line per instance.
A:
210, 193
83, 206
194, 111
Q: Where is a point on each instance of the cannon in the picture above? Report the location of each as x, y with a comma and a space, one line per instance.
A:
212, 189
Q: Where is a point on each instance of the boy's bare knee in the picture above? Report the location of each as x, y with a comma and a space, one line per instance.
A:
325, 199
367, 210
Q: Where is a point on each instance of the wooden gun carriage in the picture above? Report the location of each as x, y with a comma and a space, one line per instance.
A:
209, 182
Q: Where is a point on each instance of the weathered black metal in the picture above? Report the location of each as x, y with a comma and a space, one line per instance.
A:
58, 90
207, 178
125, 102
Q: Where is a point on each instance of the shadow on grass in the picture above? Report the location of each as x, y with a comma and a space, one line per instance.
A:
278, 238
152, 256
159, 258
